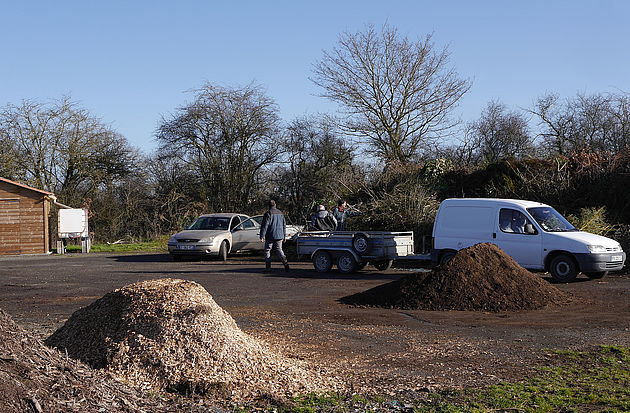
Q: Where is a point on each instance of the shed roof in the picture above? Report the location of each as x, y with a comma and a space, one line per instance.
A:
25, 186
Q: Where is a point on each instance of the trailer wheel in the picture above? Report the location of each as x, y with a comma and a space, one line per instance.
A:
361, 243
383, 265
346, 263
322, 261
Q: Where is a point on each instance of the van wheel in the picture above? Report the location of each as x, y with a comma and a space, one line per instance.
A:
563, 269
322, 261
346, 263
223, 251
447, 257
360, 243
596, 275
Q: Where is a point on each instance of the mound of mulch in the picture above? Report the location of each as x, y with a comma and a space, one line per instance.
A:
170, 335
478, 278
35, 378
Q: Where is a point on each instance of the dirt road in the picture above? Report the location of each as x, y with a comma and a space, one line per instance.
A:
298, 312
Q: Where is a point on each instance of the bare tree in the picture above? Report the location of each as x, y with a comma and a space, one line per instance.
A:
501, 134
317, 164
226, 135
584, 123
397, 93
62, 148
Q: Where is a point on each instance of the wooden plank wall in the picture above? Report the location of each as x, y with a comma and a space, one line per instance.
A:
23, 221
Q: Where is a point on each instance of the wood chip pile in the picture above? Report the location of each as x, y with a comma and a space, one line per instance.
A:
35, 378
170, 335
479, 278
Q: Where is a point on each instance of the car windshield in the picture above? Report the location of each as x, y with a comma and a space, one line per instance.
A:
210, 223
550, 220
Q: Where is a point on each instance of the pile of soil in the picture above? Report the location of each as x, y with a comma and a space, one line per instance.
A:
478, 278
35, 378
170, 335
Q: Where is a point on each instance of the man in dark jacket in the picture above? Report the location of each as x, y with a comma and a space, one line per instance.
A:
273, 230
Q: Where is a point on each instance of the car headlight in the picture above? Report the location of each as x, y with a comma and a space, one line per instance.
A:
207, 240
596, 249
172, 240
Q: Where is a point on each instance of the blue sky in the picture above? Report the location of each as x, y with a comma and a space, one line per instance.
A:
131, 62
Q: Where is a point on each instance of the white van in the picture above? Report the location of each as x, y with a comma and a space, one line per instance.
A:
534, 234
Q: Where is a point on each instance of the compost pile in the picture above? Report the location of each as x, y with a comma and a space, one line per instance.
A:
35, 378
170, 335
478, 278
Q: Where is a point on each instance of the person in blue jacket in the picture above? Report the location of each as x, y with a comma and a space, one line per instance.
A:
273, 230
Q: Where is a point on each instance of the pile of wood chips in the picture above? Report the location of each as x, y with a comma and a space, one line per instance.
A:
169, 334
35, 378
478, 278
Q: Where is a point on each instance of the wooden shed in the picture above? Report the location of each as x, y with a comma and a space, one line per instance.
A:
24, 214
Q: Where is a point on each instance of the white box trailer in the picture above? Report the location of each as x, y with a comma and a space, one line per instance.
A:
73, 224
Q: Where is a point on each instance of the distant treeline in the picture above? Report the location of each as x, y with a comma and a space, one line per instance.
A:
393, 151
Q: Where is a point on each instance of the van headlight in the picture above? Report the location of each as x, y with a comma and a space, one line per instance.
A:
596, 249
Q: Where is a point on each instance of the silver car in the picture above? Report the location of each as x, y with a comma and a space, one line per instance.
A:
216, 235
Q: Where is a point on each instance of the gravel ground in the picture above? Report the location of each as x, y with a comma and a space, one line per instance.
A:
377, 350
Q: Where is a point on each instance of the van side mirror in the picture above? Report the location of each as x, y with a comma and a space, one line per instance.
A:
529, 229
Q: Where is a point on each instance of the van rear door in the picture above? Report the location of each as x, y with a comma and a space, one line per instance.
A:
461, 225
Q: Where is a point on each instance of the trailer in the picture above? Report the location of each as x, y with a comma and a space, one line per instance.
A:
351, 251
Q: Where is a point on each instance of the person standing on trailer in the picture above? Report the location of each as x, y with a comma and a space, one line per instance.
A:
341, 213
273, 231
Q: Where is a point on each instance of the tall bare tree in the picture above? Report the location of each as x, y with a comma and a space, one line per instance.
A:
397, 93
226, 135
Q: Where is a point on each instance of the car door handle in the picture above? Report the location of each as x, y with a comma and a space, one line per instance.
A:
494, 235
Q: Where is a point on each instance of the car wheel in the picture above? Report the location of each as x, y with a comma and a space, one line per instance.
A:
346, 263
361, 243
322, 261
563, 269
596, 275
447, 257
223, 251
383, 265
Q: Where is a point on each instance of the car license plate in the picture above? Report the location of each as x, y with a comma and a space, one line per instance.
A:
186, 247
616, 258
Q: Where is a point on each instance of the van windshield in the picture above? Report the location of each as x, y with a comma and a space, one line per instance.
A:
550, 220
210, 223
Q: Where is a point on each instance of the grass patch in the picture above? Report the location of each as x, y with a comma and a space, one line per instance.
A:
157, 245
593, 381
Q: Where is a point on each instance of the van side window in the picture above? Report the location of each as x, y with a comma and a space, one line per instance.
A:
513, 221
